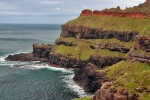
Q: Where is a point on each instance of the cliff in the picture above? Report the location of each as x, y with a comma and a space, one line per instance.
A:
113, 14
109, 49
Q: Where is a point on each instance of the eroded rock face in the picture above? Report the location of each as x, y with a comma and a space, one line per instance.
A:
42, 50
96, 33
86, 13
103, 62
113, 14
110, 94
139, 56
66, 43
66, 62
89, 78
143, 43
111, 46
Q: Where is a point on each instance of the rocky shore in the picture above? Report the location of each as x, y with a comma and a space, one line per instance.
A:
111, 64
87, 72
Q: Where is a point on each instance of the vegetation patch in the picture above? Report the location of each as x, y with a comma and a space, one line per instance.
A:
113, 23
94, 41
131, 75
83, 50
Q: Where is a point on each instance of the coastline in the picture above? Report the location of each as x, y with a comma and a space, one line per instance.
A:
111, 60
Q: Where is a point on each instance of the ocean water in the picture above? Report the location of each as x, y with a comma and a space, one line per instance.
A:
29, 80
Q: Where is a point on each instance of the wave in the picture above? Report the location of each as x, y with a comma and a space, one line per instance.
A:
35, 66
11, 63
16, 39
31, 64
68, 79
74, 86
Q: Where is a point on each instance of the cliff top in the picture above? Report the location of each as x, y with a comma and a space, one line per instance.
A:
141, 8
130, 19
113, 23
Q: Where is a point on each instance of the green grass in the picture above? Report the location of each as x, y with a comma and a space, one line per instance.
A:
132, 74
145, 96
83, 50
113, 23
142, 8
73, 51
85, 98
94, 41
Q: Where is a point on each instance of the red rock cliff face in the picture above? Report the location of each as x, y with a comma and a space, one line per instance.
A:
113, 14
86, 13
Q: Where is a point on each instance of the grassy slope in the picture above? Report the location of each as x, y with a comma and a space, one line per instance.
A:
142, 8
83, 50
113, 23
94, 41
131, 74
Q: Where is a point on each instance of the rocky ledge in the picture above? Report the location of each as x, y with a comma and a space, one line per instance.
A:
80, 32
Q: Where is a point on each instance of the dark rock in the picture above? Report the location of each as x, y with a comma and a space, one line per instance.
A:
89, 78
142, 42
24, 57
96, 33
66, 62
103, 62
42, 50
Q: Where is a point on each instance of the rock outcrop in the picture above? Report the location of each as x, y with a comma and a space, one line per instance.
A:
24, 57
143, 43
112, 94
111, 46
86, 12
42, 50
89, 78
103, 62
66, 62
113, 14
96, 33
141, 49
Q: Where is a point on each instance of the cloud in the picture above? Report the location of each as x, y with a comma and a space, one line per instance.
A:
57, 8
15, 13
84, 7
35, 8
54, 2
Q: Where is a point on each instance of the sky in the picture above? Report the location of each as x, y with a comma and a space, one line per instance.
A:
53, 11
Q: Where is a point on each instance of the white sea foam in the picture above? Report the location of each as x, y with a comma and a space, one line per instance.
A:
34, 66
73, 86
2, 58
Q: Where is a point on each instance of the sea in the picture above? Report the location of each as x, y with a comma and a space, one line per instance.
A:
31, 80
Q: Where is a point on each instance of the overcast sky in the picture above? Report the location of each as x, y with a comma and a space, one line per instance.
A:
53, 11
